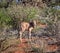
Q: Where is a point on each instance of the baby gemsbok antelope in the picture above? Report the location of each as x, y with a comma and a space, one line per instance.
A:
29, 26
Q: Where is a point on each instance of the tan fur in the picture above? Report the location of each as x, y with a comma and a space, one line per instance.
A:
25, 26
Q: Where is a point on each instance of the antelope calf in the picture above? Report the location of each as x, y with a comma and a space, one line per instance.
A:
29, 26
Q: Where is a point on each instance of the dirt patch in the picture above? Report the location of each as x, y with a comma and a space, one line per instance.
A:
36, 45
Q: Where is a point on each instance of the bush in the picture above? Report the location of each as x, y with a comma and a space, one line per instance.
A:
22, 13
5, 20
52, 21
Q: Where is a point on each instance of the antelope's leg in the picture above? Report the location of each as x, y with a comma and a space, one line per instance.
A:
29, 34
20, 35
30, 29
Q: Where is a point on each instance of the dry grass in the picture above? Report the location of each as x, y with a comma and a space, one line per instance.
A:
36, 45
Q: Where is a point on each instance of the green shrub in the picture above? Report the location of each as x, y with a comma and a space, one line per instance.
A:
22, 13
52, 21
5, 19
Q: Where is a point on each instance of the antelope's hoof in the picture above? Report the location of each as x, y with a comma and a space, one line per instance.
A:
20, 40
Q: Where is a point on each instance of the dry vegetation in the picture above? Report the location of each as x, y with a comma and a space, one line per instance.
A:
44, 39
42, 44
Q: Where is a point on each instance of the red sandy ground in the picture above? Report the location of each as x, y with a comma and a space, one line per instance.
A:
22, 45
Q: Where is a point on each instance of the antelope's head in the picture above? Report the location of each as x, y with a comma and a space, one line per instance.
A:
34, 23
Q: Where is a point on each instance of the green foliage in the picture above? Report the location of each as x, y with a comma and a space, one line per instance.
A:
31, 12
22, 13
52, 20
4, 18
51, 13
